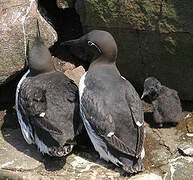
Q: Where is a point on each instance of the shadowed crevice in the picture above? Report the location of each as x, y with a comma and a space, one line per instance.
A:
66, 22
8, 90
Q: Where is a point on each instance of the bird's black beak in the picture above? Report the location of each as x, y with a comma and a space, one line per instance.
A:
75, 42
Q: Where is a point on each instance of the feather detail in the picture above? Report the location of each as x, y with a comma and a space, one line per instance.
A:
121, 145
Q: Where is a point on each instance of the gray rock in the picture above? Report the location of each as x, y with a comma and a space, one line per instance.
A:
16, 154
186, 149
75, 74
17, 19
178, 168
154, 38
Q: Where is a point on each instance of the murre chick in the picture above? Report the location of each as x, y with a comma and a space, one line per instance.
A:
47, 104
165, 101
110, 107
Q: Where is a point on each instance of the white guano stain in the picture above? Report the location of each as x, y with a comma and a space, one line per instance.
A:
78, 161
172, 170
143, 153
6, 164
188, 151
150, 176
188, 116
189, 134
165, 175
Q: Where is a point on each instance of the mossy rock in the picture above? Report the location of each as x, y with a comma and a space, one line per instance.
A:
18, 24
154, 38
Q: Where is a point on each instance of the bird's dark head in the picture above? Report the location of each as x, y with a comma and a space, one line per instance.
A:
40, 60
96, 44
152, 88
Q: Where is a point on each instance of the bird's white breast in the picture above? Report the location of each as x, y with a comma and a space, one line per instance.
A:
26, 130
81, 85
98, 143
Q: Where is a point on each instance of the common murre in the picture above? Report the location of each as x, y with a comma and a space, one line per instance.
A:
110, 107
47, 104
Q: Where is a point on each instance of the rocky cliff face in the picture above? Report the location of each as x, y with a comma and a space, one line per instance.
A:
154, 38
17, 26
17, 19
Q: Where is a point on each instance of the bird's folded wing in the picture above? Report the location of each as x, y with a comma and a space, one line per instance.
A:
134, 102
35, 110
93, 110
43, 123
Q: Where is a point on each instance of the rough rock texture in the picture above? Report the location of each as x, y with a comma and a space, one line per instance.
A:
24, 159
75, 74
17, 19
166, 154
186, 149
151, 36
154, 38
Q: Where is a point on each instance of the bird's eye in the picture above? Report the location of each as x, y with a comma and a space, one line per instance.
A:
90, 43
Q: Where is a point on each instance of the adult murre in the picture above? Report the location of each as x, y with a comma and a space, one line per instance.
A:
47, 104
109, 105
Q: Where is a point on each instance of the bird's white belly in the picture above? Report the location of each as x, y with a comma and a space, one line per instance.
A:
26, 130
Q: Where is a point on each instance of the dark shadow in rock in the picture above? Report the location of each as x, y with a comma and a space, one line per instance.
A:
84, 145
73, 55
148, 117
167, 125
66, 22
10, 119
7, 90
83, 142
15, 138
54, 163
187, 106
